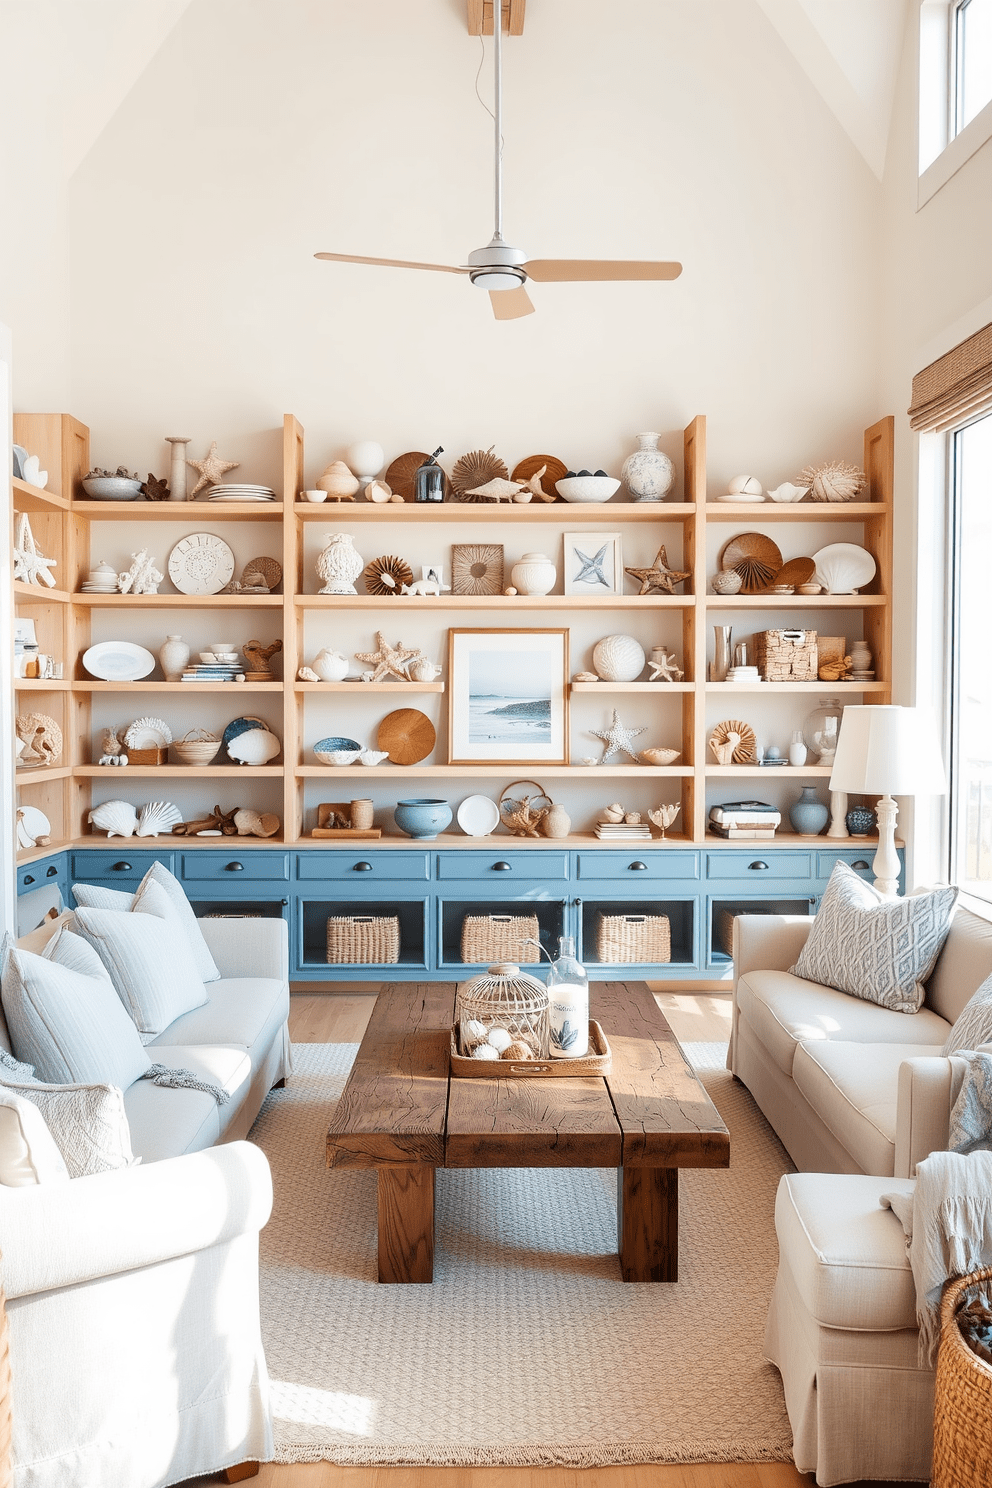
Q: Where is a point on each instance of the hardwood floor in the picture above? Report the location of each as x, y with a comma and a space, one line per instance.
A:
320, 1017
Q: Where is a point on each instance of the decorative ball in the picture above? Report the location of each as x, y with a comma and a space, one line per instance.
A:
744, 485
517, 1050
510, 592
618, 658
474, 1032
485, 1051
500, 1039
773, 752
727, 581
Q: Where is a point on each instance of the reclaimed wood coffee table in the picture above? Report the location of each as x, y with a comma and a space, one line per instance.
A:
403, 1114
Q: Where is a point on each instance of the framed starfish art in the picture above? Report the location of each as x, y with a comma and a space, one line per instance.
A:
593, 563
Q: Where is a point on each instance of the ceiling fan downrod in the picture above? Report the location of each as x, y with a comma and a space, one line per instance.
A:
496, 265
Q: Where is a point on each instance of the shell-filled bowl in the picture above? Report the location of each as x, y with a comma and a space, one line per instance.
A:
111, 488
587, 487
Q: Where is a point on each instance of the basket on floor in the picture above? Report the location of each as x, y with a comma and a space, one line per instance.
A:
499, 937
633, 937
363, 938
962, 1407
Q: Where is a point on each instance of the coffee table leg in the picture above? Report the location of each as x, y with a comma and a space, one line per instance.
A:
648, 1223
406, 1223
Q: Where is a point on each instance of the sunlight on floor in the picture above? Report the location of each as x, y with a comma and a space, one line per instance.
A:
353, 1414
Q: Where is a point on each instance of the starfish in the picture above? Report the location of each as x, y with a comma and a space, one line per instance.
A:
388, 661
211, 468
617, 739
665, 670
659, 578
591, 570
29, 565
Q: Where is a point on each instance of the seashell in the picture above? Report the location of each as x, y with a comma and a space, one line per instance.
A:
748, 486
338, 481
474, 1030
499, 490
524, 495
116, 818
618, 658
247, 823
254, 747
396, 498
330, 666
475, 469
485, 1051
157, 818
787, 492
632, 818
386, 575
148, 733
613, 813
500, 1039
379, 492
586, 677
372, 757
727, 581
835, 480
307, 674
734, 739
518, 1050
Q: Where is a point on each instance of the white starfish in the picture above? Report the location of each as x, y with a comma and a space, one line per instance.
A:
389, 661
29, 565
665, 670
617, 739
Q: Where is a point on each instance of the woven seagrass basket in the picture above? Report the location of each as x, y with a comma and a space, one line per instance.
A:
633, 937
363, 938
962, 1406
198, 747
499, 937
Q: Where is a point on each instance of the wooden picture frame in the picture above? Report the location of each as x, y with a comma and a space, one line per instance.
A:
477, 568
592, 562
508, 697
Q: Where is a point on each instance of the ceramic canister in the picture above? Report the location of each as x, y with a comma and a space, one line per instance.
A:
533, 574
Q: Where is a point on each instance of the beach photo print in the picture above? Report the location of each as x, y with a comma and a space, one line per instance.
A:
507, 697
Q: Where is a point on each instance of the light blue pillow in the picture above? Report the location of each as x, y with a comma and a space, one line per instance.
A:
71, 1027
151, 966
95, 896
72, 952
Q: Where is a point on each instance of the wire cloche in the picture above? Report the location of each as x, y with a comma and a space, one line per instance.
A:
506, 999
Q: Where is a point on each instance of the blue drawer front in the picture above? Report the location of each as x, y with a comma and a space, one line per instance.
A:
360, 867
225, 867
504, 867
859, 859
744, 865
118, 862
637, 866
33, 875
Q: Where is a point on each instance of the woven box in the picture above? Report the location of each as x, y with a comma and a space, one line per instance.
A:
499, 937
723, 925
786, 655
363, 938
633, 937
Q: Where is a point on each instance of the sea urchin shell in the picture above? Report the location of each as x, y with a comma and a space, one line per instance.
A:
476, 469
835, 480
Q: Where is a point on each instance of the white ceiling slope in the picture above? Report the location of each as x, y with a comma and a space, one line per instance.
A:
850, 51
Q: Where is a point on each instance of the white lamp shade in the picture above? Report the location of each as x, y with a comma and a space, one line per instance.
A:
888, 751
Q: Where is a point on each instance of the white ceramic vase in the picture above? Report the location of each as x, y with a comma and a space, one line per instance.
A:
339, 565
173, 657
648, 473
533, 574
365, 459
330, 666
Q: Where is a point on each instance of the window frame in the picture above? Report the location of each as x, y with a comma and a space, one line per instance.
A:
943, 147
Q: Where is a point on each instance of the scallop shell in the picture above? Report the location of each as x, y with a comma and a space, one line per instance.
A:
386, 575
116, 818
254, 747
475, 469
156, 731
157, 818
835, 480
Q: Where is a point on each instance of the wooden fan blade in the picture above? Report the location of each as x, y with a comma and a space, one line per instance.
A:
510, 304
568, 270
390, 263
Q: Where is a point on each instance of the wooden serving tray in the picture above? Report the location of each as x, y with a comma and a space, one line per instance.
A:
596, 1063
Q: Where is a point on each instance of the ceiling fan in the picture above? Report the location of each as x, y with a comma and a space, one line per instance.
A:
503, 269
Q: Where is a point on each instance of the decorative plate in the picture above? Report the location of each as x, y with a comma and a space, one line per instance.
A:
796, 571
241, 726
755, 557
32, 824
744, 753
531, 464
118, 661
478, 816
269, 568
148, 733
844, 568
201, 564
407, 735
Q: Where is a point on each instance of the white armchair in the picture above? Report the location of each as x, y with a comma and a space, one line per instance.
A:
132, 1297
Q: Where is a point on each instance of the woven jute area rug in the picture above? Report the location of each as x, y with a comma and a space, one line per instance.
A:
527, 1349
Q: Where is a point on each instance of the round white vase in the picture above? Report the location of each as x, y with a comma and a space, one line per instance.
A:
330, 666
533, 574
173, 657
618, 658
648, 473
365, 459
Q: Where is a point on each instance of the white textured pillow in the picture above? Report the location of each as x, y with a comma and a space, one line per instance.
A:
95, 896
150, 965
881, 950
973, 1026
28, 1152
71, 1027
205, 963
87, 1123
71, 951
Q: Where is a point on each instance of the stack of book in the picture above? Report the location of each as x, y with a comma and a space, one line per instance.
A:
216, 671
608, 831
744, 819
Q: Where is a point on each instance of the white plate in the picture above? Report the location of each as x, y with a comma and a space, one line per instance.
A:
478, 816
240, 498
201, 564
31, 824
843, 568
118, 661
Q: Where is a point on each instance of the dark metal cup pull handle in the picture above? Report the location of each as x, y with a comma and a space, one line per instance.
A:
29, 878
637, 867
123, 867
362, 868
51, 871
758, 864
234, 868
501, 868
861, 863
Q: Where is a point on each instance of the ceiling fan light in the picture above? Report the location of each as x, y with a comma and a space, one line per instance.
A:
498, 277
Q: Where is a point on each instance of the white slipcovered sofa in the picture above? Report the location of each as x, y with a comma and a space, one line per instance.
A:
132, 1295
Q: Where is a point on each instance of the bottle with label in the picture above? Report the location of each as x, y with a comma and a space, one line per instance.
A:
428, 479
568, 1003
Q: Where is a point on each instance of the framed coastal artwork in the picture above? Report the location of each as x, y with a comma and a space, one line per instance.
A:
592, 563
507, 697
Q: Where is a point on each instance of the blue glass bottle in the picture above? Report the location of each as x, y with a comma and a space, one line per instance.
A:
428, 479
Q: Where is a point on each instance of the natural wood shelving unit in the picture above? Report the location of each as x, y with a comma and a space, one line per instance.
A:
62, 521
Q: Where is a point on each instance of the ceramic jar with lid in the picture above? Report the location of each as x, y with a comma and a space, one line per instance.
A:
533, 574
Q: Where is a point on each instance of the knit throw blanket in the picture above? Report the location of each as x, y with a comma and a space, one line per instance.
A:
184, 1079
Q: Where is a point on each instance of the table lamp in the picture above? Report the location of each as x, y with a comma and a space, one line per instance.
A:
888, 751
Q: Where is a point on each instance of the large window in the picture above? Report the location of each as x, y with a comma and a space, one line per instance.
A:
955, 115
971, 56
971, 653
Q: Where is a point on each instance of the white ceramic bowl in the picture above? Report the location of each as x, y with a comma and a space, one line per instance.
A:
587, 487
222, 648
111, 488
208, 656
337, 756
315, 495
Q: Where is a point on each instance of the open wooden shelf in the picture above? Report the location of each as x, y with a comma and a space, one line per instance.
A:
795, 511
395, 689
607, 687
40, 684
497, 772
494, 602
192, 772
772, 689
38, 593
566, 513
179, 511
794, 601
179, 601
40, 773
28, 498
141, 686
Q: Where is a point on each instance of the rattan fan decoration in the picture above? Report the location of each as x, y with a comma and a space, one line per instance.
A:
474, 469
269, 568
743, 751
476, 568
387, 575
755, 557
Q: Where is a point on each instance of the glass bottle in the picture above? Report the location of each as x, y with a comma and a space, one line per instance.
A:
428, 479
568, 1003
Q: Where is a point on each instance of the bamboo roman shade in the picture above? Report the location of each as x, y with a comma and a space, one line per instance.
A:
955, 386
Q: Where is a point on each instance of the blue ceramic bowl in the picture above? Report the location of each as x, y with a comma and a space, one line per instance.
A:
334, 745
422, 818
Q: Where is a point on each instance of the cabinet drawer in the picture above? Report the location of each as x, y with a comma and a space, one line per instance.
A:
857, 858
504, 867
118, 862
234, 864
639, 866
756, 864
364, 867
33, 875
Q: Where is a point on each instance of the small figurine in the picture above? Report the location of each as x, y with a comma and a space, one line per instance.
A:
664, 816
114, 752
142, 577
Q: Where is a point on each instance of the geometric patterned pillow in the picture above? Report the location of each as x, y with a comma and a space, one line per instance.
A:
881, 950
88, 1124
974, 1022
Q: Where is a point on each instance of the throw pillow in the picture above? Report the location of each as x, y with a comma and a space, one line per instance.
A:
88, 1124
881, 950
28, 1152
150, 965
974, 1022
95, 896
160, 875
70, 950
71, 1027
